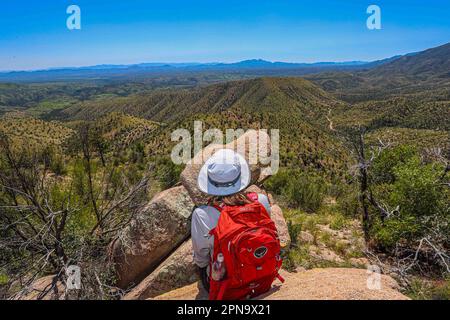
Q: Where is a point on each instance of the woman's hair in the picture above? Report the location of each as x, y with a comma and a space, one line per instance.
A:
237, 199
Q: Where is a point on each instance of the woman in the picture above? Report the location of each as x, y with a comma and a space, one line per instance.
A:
223, 177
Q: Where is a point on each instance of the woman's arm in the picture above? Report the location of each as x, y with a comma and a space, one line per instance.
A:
264, 200
204, 219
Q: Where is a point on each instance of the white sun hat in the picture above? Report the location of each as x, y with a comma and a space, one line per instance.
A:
226, 172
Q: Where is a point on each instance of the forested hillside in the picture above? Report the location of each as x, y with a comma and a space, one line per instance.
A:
421, 76
256, 95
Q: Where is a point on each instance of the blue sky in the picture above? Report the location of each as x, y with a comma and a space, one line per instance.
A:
33, 34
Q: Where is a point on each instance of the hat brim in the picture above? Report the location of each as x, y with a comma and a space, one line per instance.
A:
224, 154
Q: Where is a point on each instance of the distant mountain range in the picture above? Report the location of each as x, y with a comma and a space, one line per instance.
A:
253, 67
244, 63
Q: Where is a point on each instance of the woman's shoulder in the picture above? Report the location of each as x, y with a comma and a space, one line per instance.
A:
204, 209
262, 196
264, 200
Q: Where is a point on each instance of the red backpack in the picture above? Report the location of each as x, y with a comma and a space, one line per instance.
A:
248, 239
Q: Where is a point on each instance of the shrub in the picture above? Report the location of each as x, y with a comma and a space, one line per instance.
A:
294, 231
338, 222
3, 279
167, 173
299, 189
421, 202
306, 192
427, 290
278, 182
382, 169
348, 203
417, 200
442, 292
